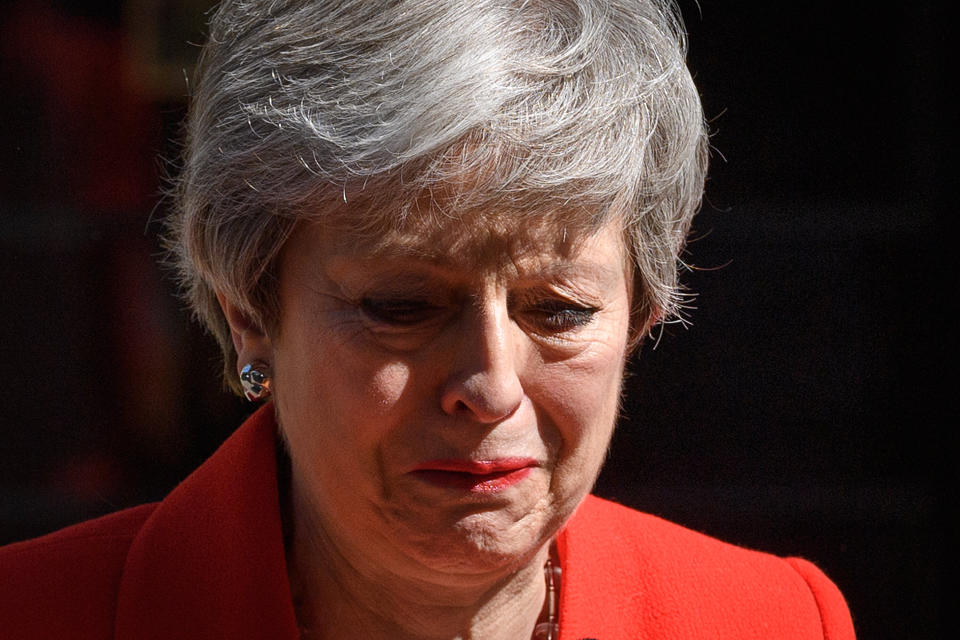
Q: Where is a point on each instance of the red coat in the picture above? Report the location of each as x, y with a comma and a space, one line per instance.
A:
208, 562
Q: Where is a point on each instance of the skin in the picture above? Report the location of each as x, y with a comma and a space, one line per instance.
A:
481, 341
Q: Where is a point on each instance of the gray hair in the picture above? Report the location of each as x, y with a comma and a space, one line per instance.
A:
532, 106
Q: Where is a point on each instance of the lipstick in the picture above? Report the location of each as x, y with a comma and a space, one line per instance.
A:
476, 476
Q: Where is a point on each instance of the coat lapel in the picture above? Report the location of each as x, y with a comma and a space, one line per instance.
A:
209, 562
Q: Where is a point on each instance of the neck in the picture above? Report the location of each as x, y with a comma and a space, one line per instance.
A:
341, 592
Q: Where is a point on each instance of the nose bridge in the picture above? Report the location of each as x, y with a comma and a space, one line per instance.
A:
485, 378
492, 331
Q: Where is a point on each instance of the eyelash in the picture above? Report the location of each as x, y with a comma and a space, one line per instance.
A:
557, 316
551, 316
398, 312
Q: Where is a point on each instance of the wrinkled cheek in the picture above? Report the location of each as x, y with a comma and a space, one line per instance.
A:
377, 418
388, 386
586, 417
589, 451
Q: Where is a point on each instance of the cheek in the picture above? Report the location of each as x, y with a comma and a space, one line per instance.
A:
581, 410
584, 397
341, 394
331, 363
337, 416
386, 386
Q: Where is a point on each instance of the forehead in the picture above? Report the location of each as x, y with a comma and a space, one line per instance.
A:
483, 240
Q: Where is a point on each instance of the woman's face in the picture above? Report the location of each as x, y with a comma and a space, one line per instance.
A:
448, 400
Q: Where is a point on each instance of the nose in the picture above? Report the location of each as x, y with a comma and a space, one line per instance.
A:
484, 384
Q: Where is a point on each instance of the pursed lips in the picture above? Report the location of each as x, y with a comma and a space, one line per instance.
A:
477, 476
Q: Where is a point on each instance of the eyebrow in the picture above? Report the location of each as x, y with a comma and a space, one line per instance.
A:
444, 265
568, 270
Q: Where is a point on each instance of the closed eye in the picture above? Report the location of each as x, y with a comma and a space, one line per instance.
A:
399, 312
556, 316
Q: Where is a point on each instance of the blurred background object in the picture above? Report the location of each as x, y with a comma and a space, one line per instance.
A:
804, 410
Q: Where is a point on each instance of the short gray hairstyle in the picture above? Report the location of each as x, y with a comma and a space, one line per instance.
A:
531, 106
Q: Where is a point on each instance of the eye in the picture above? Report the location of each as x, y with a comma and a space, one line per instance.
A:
555, 316
399, 312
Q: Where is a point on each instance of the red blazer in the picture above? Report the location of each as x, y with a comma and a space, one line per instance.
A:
208, 562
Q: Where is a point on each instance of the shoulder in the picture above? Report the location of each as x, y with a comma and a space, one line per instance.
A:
678, 583
66, 582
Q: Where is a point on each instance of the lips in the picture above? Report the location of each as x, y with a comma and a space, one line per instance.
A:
476, 476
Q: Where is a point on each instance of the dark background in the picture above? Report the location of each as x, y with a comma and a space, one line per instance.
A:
804, 411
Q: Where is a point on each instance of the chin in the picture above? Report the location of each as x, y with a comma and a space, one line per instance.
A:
482, 542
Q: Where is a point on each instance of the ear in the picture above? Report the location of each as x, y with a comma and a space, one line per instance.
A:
250, 341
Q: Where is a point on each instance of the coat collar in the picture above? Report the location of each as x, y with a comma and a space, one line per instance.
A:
209, 562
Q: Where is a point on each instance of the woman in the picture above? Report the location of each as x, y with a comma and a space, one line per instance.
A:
428, 234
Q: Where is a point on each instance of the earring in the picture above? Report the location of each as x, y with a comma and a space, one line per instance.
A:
255, 383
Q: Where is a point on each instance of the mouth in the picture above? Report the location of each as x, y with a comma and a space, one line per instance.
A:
475, 476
